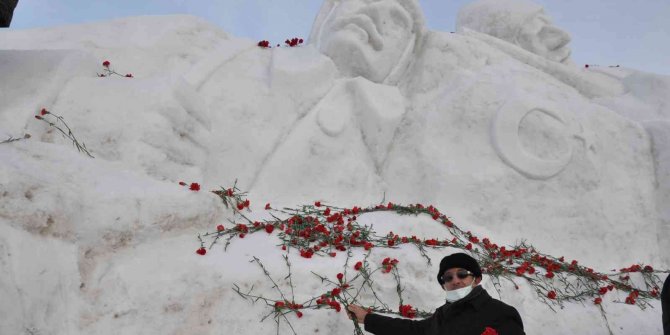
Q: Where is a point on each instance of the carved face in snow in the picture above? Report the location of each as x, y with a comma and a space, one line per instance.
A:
541, 37
369, 38
520, 22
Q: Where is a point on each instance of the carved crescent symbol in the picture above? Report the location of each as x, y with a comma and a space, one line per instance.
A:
505, 139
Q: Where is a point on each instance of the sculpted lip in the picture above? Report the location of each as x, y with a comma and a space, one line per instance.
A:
564, 53
365, 23
567, 56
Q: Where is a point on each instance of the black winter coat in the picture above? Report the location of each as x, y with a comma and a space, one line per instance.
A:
665, 305
468, 316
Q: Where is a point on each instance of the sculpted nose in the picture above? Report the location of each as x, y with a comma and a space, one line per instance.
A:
554, 37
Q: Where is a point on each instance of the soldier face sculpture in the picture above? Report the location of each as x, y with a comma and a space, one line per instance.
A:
541, 37
519, 22
369, 38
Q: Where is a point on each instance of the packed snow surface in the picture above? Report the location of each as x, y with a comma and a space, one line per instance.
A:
508, 143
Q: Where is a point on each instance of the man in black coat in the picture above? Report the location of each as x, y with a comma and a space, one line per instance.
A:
469, 310
665, 306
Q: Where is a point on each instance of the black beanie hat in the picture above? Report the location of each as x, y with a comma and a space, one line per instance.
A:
459, 260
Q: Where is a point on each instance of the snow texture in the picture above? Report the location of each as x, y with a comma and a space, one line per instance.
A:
512, 144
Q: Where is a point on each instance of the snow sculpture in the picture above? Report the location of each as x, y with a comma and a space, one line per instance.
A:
372, 44
519, 22
490, 123
374, 40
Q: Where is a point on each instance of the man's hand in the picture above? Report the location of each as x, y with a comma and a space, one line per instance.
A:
357, 311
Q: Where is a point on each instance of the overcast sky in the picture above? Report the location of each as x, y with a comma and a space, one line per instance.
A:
604, 32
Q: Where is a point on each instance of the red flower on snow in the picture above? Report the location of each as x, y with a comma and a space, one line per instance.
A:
202, 251
106, 63
293, 42
489, 331
358, 266
407, 311
551, 295
336, 291
194, 187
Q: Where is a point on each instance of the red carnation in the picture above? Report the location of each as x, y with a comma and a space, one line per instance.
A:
551, 295
358, 266
269, 228
195, 187
340, 276
407, 311
44, 111
202, 251
220, 227
106, 63
129, 75
597, 300
489, 331
336, 291
267, 206
336, 305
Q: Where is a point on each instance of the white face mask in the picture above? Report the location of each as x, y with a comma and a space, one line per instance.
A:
455, 295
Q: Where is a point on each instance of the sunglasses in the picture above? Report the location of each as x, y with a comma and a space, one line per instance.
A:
461, 274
